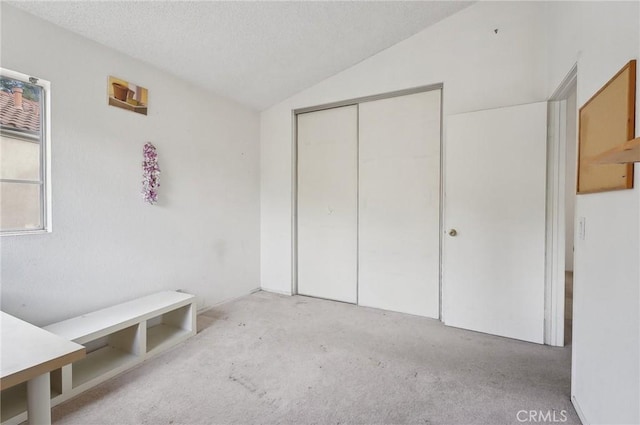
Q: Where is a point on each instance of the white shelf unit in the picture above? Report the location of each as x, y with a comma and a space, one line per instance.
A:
168, 327
116, 339
13, 403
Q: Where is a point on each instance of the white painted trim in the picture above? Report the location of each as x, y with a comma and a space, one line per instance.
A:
371, 98
441, 206
48, 189
358, 204
294, 205
276, 291
564, 89
555, 212
228, 300
555, 229
579, 411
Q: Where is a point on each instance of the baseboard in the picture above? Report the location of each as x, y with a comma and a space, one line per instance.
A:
209, 307
579, 411
276, 291
252, 291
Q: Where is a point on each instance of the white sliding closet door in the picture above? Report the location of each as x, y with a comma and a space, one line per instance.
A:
399, 205
328, 203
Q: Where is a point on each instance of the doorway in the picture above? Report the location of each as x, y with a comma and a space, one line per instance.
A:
571, 160
561, 218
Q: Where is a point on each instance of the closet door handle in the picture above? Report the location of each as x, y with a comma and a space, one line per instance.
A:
453, 232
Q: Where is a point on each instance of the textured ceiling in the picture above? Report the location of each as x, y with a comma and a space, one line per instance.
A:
257, 53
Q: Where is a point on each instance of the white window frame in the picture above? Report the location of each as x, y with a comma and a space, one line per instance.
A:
45, 151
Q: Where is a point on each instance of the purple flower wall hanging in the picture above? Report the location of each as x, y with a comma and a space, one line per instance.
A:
150, 174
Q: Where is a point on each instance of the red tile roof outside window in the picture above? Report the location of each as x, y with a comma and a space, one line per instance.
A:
25, 119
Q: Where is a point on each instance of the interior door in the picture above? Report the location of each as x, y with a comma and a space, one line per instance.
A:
328, 203
494, 209
399, 206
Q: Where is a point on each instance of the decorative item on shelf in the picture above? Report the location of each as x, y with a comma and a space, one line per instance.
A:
150, 174
126, 95
120, 91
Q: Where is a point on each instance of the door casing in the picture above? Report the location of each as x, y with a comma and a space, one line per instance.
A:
555, 214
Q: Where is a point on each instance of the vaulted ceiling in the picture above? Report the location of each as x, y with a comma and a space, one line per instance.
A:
256, 53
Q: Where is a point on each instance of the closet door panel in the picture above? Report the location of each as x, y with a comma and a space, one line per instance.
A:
399, 204
327, 203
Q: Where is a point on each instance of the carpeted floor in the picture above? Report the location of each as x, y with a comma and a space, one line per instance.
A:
268, 358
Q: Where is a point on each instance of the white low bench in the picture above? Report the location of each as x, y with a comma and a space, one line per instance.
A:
116, 339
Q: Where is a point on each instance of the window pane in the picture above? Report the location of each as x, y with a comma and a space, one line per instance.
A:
19, 159
22, 151
20, 206
20, 105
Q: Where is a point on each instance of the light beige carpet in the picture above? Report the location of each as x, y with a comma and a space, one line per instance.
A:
267, 359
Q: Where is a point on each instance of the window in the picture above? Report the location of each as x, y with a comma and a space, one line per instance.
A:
25, 202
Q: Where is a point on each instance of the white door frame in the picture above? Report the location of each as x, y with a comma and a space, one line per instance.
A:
556, 228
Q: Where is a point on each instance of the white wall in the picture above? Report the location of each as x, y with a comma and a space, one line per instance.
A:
602, 37
571, 158
107, 246
536, 46
479, 68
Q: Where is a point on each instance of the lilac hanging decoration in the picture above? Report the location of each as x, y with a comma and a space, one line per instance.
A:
150, 174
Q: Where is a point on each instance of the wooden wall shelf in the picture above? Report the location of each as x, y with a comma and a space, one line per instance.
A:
625, 153
606, 122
